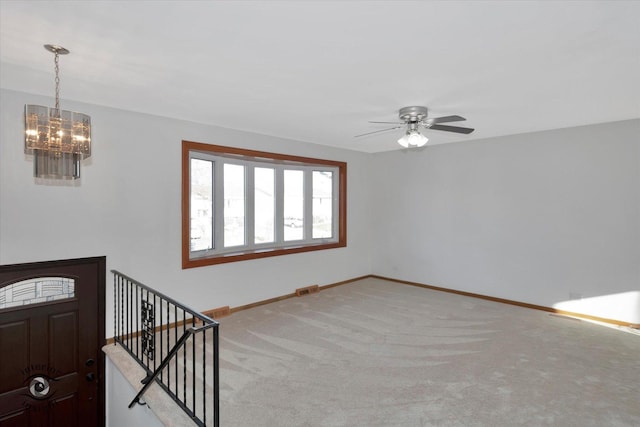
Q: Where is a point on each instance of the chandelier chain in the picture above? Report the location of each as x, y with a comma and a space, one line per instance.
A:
57, 67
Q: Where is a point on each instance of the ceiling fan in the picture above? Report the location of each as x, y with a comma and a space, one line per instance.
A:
415, 117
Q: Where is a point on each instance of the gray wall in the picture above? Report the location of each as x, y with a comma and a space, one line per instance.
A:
549, 218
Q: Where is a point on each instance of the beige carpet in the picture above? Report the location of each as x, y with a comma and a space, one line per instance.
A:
378, 353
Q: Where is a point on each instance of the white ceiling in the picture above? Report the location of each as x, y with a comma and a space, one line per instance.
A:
318, 71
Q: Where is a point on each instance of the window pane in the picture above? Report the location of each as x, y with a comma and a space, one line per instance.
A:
35, 291
264, 217
322, 204
293, 205
201, 205
233, 205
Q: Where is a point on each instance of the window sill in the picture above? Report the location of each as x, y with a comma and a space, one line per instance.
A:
255, 254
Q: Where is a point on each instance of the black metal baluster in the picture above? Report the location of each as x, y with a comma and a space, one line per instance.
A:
155, 328
216, 382
161, 340
137, 314
128, 329
131, 314
204, 376
193, 365
121, 311
175, 333
115, 310
184, 360
125, 312
119, 308
123, 322
168, 347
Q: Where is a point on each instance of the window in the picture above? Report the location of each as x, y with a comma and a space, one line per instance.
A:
243, 204
36, 291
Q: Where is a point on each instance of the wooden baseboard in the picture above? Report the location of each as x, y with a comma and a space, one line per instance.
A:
263, 302
345, 282
283, 297
217, 313
512, 302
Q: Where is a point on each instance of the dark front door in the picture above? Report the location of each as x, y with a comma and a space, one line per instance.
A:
51, 336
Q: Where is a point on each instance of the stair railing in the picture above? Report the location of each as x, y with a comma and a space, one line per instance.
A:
173, 343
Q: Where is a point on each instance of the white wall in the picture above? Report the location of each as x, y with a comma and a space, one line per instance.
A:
543, 218
119, 393
127, 207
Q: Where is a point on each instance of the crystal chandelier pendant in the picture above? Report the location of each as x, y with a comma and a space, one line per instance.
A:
58, 139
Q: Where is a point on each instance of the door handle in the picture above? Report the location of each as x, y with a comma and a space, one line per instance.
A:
90, 376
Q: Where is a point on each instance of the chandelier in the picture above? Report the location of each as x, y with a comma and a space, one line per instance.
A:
58, 139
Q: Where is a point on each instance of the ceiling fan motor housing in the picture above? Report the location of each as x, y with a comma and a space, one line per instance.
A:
413, 114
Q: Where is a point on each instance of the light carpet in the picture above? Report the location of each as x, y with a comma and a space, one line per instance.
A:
379, 353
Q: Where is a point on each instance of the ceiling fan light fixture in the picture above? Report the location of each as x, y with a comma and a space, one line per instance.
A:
413, 139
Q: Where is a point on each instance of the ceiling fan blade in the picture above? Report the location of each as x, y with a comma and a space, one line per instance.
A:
445, 119
455, 129
377, 131
390, 123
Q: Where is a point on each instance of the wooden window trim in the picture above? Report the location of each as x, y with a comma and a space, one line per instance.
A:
187, 262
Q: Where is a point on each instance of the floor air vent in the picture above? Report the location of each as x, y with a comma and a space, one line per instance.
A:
308, 290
